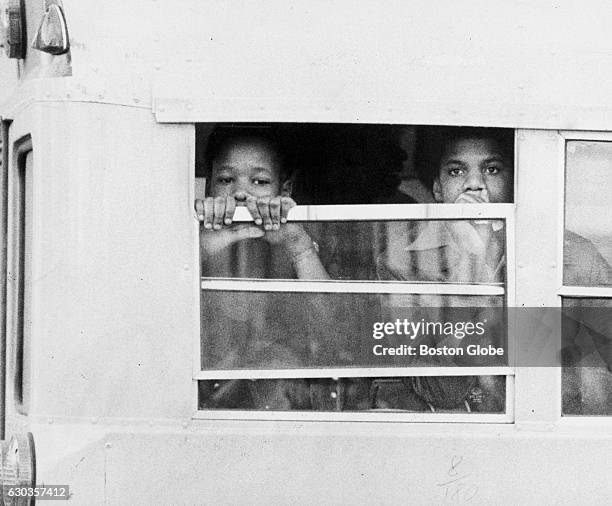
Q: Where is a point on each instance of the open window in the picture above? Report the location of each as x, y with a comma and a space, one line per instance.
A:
407, 321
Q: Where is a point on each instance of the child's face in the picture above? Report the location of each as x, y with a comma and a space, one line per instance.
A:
246, 167
472, 171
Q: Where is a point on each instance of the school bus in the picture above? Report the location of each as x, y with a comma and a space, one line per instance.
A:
104, 105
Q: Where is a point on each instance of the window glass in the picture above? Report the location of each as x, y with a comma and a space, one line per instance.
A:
587, 255
424, 251
287, 330
588, 228
334, 324
447, 322
449, 394
587, 356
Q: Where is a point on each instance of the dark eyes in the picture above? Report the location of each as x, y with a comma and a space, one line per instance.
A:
489, 170
229, 180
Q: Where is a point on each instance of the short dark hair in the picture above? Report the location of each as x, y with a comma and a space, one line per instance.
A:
432, 141
222, 135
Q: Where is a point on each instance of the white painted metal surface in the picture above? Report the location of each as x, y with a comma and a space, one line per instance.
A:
516, 64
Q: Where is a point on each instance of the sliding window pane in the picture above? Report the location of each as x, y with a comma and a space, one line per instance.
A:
587, 356
587, 253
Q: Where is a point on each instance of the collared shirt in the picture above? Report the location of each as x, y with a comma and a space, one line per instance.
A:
436, 257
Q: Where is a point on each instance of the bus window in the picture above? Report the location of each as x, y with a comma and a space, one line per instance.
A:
24, 157
393, 289
587, 224
587, 278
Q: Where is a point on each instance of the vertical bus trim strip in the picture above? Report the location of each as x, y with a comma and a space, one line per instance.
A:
3, 265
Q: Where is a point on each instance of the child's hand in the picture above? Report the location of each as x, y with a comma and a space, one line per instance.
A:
269, 211
473, 197
217, 213
472, 237
214, 212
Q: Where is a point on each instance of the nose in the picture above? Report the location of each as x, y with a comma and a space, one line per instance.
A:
240, 196
474, 181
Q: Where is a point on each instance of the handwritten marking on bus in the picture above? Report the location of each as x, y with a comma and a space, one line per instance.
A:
456, 485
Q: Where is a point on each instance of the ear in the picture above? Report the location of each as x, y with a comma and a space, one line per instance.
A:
287, 188
437, 190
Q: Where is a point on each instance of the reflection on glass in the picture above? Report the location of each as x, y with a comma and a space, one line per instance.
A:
468, 394
439, 251
587, 356
588, 236
288, 330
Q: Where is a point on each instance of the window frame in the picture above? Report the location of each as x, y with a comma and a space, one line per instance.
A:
572, 291
532, 281
539, 280
373, 212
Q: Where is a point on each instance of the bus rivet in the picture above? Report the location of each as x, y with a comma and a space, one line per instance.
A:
553, 265
185, 267
108, 445
157, 66
49, 420
94, 419
520, 266
136, 100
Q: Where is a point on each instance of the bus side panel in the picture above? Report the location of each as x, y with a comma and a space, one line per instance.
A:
114, 262
420, 62
336, 464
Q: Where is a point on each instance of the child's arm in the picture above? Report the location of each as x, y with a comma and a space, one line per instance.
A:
301, 250
270, 215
